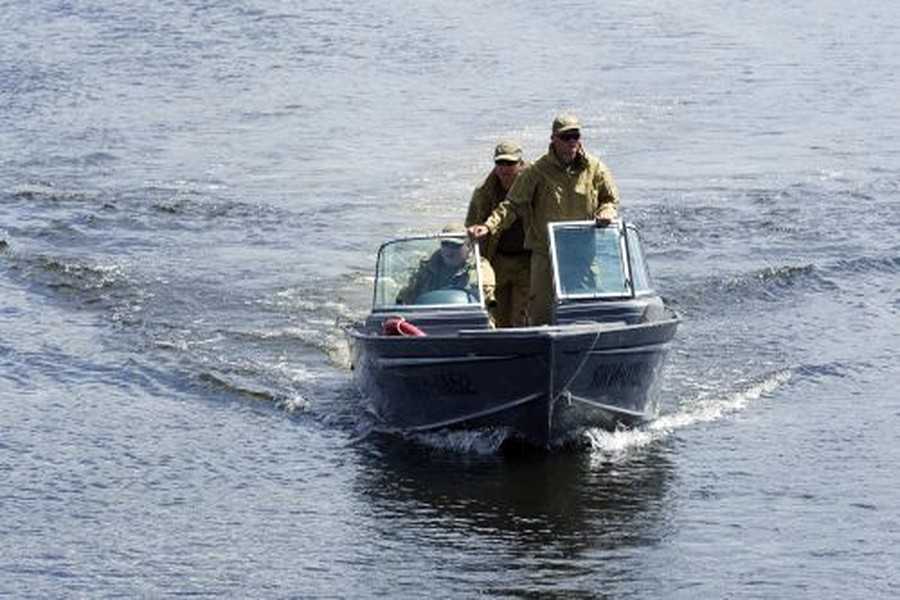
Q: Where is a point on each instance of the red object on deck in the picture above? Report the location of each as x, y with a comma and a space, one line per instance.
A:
400, 326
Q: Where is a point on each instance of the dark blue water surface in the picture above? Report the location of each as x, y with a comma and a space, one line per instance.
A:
191, 196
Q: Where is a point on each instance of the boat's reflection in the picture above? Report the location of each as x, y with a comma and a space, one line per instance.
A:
571, 500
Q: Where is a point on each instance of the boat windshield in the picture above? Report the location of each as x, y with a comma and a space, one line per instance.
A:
592, 262
428, 271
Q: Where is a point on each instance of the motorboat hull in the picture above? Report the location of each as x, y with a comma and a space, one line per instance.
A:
545, 385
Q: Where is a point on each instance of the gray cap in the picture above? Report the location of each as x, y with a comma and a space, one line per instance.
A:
508, 150
453, 228
565, 122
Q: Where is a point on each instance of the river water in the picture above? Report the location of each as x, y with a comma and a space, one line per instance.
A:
191, 197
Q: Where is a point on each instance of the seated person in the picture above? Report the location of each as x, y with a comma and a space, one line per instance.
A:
449, 268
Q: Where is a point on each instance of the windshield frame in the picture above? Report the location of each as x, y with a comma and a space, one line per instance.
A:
394, 307
623, 255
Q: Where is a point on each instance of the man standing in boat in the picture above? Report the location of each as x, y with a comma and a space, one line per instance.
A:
506, 252
566, 184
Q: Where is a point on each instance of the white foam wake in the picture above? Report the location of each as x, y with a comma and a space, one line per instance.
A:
707, 408
481, 442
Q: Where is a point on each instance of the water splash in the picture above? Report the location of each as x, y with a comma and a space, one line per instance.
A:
316, 315
482, 442
293, 404
616, 445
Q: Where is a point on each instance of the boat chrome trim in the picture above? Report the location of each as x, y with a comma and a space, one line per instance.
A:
613, 409
635, 350
393, 363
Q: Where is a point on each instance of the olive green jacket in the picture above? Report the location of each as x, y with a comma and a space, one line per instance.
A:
433, 274
549, 191
485, 199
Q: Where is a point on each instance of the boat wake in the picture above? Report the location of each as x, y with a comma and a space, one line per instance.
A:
481, 442
709, 407
618, 445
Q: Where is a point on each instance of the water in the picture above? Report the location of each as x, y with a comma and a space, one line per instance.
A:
191, 195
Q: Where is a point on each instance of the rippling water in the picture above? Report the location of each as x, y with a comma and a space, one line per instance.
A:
191, 195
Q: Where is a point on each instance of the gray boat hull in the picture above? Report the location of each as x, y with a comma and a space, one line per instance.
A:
546, 385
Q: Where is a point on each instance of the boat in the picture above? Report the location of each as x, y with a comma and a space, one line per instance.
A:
435, 361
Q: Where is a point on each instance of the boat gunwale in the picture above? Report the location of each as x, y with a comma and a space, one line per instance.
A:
357, 330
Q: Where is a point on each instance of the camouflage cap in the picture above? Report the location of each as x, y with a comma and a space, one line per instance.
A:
508, 150
565, 122
453, 228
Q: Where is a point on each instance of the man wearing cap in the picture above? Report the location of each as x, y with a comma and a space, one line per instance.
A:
449, 267
506, 252
565, 184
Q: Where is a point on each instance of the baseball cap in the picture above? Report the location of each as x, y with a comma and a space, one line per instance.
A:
508, 150
565, 122
453, 228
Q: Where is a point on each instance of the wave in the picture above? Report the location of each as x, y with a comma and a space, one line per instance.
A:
318, 313
104, 286
617, 445
234, 385
191, 201
482, 442
777, 283
737, 216
187, 204
249, 385
80, 275
865, 265
769, 284
283, 377
46, 192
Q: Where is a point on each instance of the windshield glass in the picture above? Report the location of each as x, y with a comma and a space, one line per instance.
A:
588, 260
432, 271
